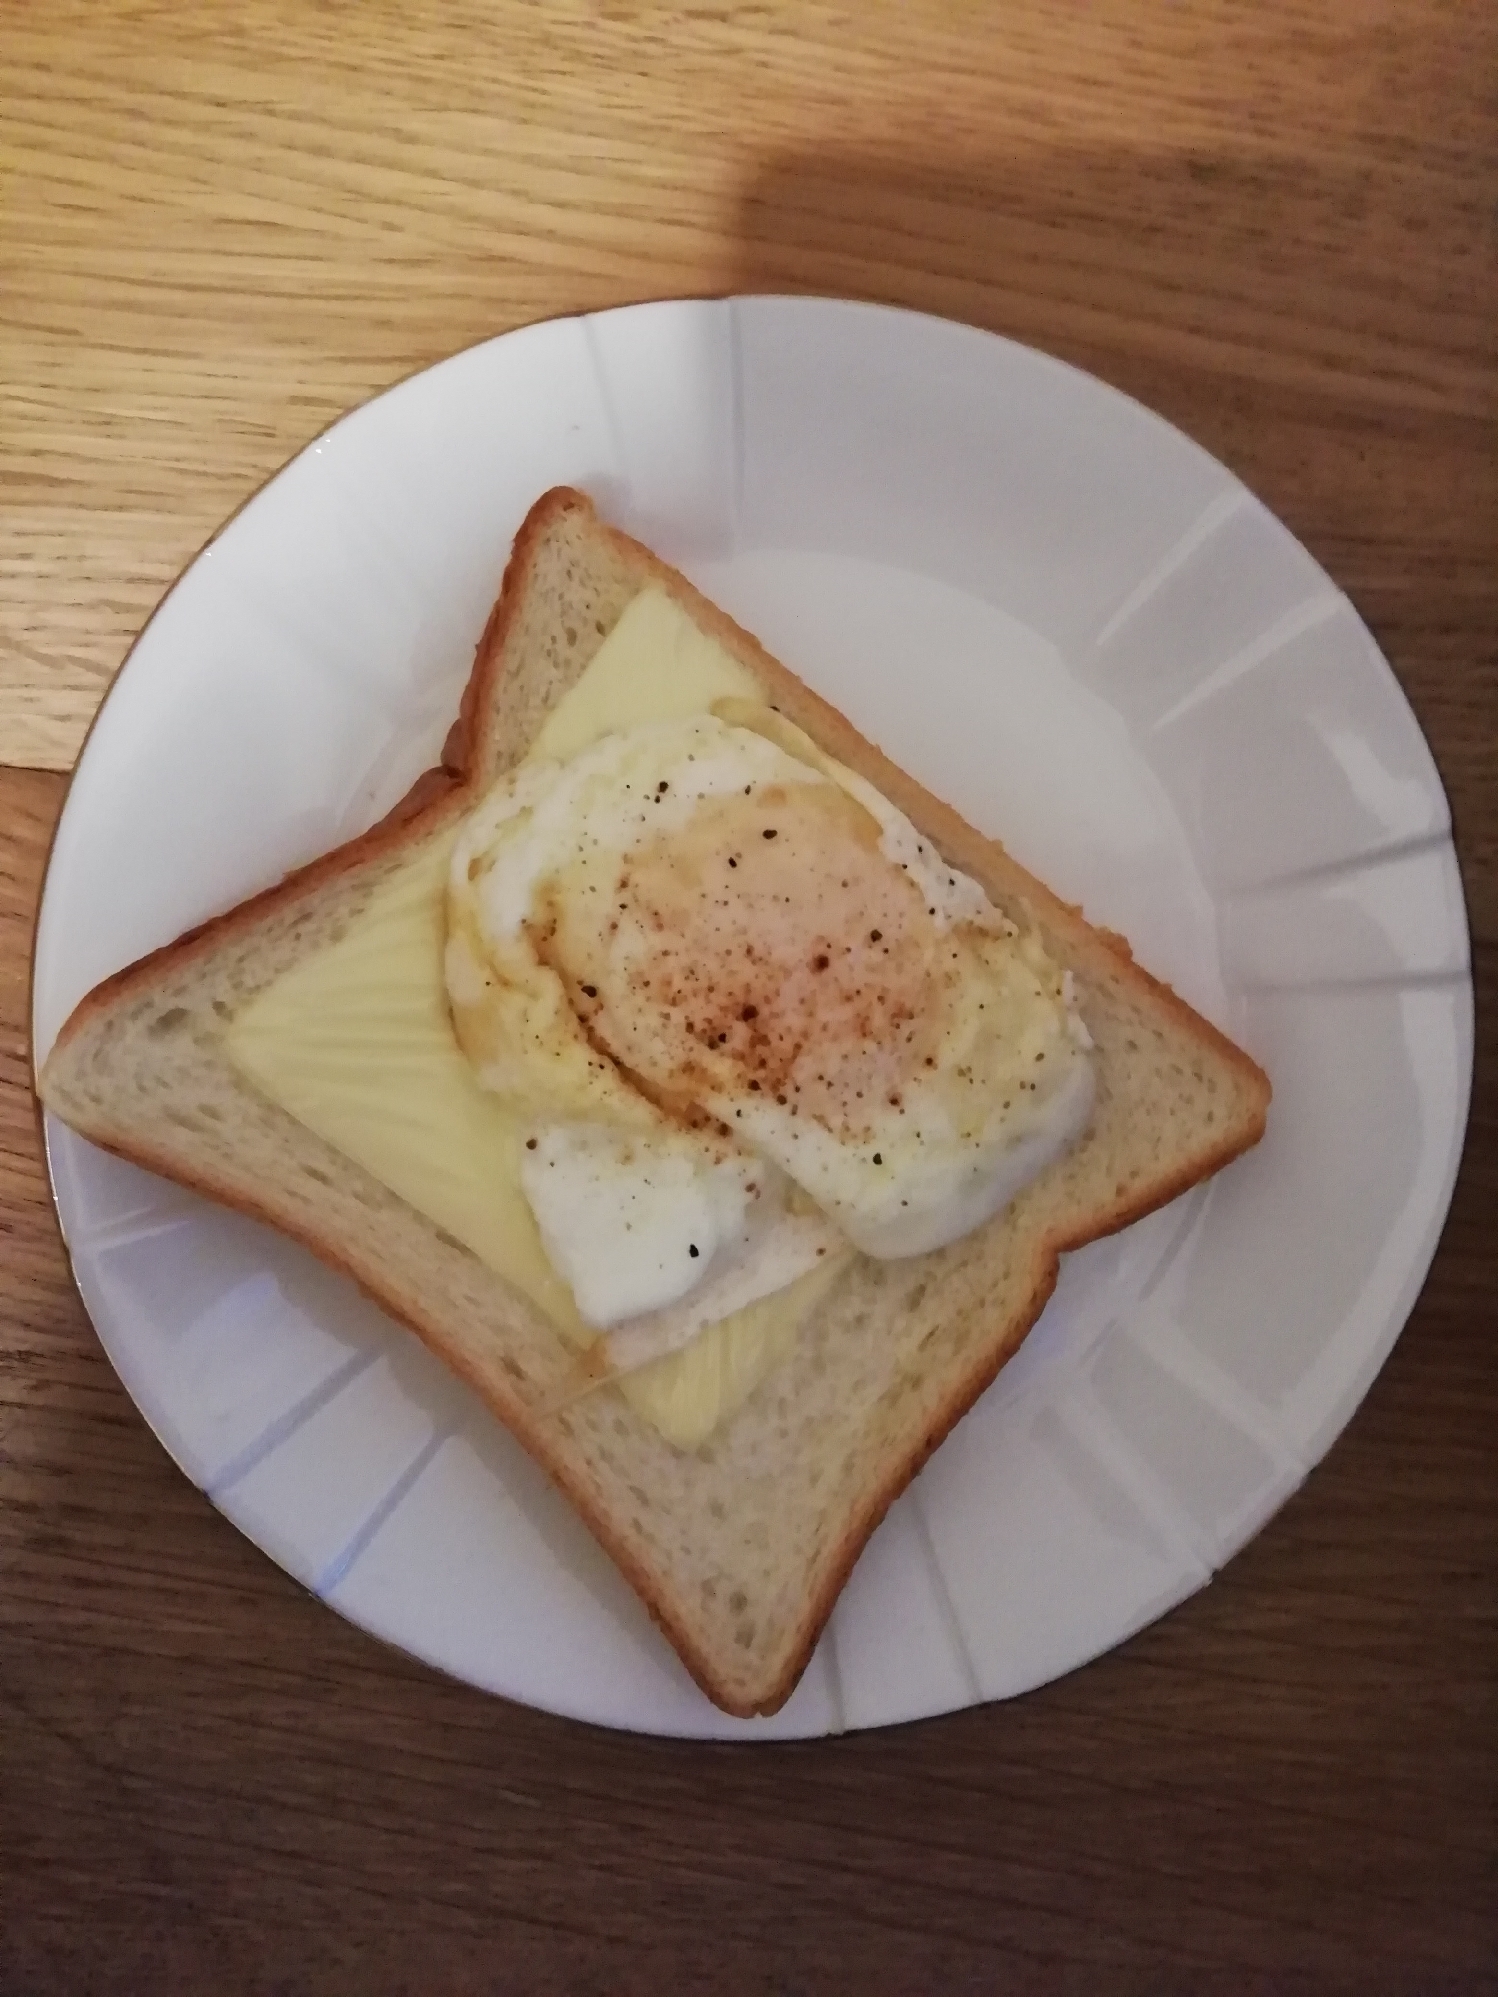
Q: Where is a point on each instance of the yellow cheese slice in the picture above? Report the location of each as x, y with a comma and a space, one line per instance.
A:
655, 665
356, 1043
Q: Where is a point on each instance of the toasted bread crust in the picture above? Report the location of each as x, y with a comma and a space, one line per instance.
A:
512, 1409
470, 758
433, 797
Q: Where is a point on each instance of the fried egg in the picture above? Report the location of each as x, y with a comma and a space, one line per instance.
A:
748, 1014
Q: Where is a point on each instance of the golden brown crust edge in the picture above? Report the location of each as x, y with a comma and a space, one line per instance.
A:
441, 793
425, 805
517, 1415
964, 1396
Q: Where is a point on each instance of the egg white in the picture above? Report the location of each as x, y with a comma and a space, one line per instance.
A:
702, 957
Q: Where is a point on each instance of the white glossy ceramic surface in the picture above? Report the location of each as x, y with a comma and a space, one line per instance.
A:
1062, 616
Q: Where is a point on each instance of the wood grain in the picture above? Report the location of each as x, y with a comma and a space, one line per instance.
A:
225, 227
221, 227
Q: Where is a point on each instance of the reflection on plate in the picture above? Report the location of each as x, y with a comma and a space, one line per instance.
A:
1059, 615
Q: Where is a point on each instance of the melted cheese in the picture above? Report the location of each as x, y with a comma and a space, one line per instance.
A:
356, 1042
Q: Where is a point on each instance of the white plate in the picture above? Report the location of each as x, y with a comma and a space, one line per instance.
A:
1061, 616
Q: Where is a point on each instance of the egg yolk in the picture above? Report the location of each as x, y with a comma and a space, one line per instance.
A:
767, 948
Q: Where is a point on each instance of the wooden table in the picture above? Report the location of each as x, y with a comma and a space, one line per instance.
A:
220, 227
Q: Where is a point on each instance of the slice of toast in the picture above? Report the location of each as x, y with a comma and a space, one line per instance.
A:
740, 1548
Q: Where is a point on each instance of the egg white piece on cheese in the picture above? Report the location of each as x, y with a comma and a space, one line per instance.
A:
634, 1222
711, 967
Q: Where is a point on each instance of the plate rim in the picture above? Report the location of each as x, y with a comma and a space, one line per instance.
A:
1416, 1272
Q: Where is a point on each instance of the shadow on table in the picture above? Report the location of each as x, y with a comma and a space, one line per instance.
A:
1210, 287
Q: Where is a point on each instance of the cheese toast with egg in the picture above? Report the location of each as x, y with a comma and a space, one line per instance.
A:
734, 1482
